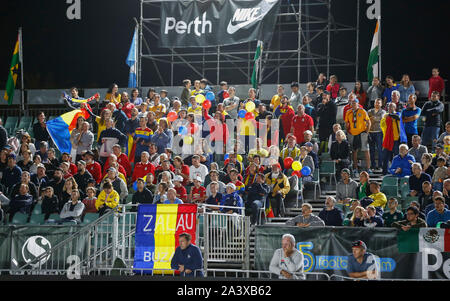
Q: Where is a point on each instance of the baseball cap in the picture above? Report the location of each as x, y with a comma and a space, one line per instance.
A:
82, 162
320, 87
346, 170
198, 178
308, 144
291, 136
40, 165
294, 84
178, 178
12, 155
90, 153
112, 169
277, 164
359, 243
231, 185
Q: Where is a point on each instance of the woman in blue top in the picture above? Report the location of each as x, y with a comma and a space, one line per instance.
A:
405, 88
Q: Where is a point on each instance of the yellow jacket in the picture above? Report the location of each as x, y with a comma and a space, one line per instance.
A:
294, 154
111, 200
281, 183
379, 199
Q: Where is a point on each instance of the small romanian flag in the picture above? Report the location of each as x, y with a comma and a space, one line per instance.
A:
13, 72
416, 240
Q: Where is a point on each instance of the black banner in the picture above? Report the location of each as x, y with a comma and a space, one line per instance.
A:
214, 23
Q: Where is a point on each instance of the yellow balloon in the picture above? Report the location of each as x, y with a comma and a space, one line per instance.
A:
296, 165
200, 98
250, 106
239, 158
188, 140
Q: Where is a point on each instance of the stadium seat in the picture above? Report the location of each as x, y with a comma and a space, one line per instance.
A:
37, 219
404, 187
25, 123
316, 182
54, 216
407, 201
389, 181
89, 218
328, 168
19, 219
37, 209
293, 193
11, 124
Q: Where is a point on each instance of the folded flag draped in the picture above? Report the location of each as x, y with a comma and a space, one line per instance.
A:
417, 240
61, 127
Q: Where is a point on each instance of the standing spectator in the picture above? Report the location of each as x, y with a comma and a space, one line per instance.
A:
417, 150
340, 153
439, 213
113, 95
406, 88
186, 92
40, 130
285, 113
158, 107
93, 167
331, 215
374, 92
306, 219
127, 106
309, 109
287, 262
142, 138
3, 135
417, 179
376, 134
187, 258
82, 140
296, 96
401, 164
357, 123
346, 188
412, 220
163, 137
432, 110
223, 89
276, 99
360, 262
321, 80
108, 138
390, 87
341, 103
393, 215
101, 121
361, 95
327, 117
333, 87
231, 103
301, 123
409, 118
435, 83
135, 99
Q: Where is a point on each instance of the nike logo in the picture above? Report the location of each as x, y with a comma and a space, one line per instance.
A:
248, 16
231, 29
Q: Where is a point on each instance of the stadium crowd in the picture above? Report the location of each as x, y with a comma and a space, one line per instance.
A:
232, 150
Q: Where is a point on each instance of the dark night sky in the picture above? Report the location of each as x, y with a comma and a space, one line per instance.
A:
91, 52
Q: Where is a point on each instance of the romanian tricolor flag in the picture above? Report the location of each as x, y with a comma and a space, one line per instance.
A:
61, 127
145, 134
157, 231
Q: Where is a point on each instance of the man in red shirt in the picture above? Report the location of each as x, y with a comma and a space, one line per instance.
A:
436, 83
125, 104
333, 87
65, 157
179, 188
111, 160
351, 100
122, 159
93, 167
301, 123
198, 192
144, 167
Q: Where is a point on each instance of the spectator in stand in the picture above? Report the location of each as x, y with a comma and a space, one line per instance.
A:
118, 116
101, 121
435, 83
3, 136
285, 113
291, 149
301, 123
214, 176
26, 162
378, 197
107, 200
393, 215
357, 123
220, 94
150, 95
12, 173
163, 137
82, 139
93, 167
412, 220
312, 145
396, 100
446, 133
327, 113
361, 95
89, 200
371, 219
50, 203
357, 219
311, 94
142, 138
40, 130
355, 203
113, 95
341, 103
417, 150
376, 134
143, 168
108, 138
393, 135
187, 258
179, 188
279, 188
172, 197
306, 219
374, 92
439, 151
73, 209
164, 99
401, 164
256, 196
231, 103
20, 202
296, 95
122, 160
32, 189
307, 161
57, 182
406, 89
160, 194
276, 99
432, 110
390, 86
321, 80
231, 199
40, 179
186, 92
309, 109
119, 185
287, 262
331, 215
427, 166
197, 169
439, 213
417, 179
409, 118
158, 107
362, 264
440, 174
333, 87
363, 189
82, 177
135, 99
426, 198
346, 188
198, 192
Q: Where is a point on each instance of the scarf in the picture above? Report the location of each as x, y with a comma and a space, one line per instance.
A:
388, 141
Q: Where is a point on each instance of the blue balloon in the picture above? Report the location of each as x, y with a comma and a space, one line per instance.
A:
210, 96
306, 171
226, 156
135, 186
182, 130
242, 113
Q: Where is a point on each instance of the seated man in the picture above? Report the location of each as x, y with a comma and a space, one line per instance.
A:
172, 197
401, 164
287, 262
231, 199
331, 215
346, 188
108, 199
393, 215
417, 150
379, 198
439, 214
20, 202
291, 150
143, 195
417, 179
256, 196
187, 258
306, 219
412, 220
279, 188
73, 209
361, 264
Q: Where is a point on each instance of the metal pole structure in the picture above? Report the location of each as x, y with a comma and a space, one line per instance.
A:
299, 19
357, 39
218, 65
379, 47
140, 46
328, 37
22, 88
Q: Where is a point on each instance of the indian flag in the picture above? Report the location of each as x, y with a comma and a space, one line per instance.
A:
372, 65
416, 240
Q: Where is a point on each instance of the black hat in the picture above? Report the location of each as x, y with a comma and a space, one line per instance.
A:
326, 92
89, 153
359, 243
294, 84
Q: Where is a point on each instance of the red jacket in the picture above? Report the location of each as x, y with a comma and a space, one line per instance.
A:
334, 90
435, 84
123, 160
300, 125
121, 169
141, 170
181, 193
96, 171
221, 134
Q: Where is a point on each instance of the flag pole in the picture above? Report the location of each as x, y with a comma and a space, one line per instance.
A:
379, 46
22, 88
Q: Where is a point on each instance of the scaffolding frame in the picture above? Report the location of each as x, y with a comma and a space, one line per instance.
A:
295, 17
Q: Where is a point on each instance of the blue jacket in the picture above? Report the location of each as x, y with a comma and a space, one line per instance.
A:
232, 200
403, 163
191, 258
163, 140
11, 176
333, 217
434, 217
